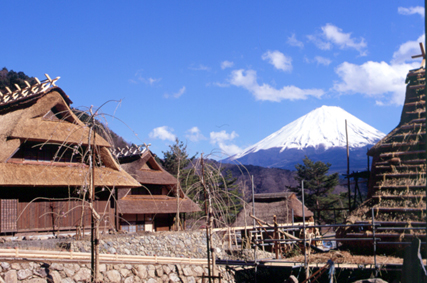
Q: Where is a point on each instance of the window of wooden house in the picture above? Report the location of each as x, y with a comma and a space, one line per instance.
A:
147, 190
133, 226
58, 113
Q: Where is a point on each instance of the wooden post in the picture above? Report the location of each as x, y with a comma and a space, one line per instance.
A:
276, 234
229, 239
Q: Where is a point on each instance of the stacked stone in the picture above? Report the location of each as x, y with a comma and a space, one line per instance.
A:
169, 244
39, 272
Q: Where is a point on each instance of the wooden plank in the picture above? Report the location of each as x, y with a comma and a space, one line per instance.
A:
400, 174
399, 153
400, 196
399, 187
399, 209
397, 144
415, 103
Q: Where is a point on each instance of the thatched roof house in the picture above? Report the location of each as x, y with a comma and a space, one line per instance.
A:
154, 204
283, 205
44, 170
398, 175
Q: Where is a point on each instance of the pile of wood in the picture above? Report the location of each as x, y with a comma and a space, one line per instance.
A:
396, 196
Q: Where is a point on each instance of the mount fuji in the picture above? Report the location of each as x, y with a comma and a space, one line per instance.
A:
321, 135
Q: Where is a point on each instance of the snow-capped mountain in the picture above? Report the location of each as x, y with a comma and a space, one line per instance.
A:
320, 135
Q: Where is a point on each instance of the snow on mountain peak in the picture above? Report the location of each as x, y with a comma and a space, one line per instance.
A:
322, 127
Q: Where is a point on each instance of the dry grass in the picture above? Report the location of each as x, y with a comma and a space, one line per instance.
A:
346, 257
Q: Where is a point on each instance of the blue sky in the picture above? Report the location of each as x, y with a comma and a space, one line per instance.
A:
219, 75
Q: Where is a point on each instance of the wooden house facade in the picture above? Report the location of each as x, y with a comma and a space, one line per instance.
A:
44, 169
154, 204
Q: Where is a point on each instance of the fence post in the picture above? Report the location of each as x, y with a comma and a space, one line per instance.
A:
276, 233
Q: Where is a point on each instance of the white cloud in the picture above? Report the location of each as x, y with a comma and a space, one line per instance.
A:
323, 45
278, 60
194, 134
411, 10
177, 94
334, 35
322, 60
163, 133
293, 41
222, 139
343, 40
380, 80
226, 64
152, 81
219, 84
200, 68
406, 50
222, 136
139, 78
248, 80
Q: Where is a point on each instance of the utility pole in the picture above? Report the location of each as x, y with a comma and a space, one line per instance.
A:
307, 272
208, 219
348, 169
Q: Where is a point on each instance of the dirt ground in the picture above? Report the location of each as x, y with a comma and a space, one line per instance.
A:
346, 257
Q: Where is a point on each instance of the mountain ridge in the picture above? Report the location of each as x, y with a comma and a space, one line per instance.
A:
320, 135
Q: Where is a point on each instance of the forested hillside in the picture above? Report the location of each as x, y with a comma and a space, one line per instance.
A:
266, 180
10, 78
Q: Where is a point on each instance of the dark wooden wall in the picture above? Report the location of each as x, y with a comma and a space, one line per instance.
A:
51, 216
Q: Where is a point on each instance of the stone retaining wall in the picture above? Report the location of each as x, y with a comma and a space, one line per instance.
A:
188, 244
170, 244
43, 272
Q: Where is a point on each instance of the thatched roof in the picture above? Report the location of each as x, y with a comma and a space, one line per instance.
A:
155, 204
272, 197
268, 205
60, 175
146, 170
45, 117
29, 122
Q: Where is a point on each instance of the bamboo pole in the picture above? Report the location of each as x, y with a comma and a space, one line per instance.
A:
348, 169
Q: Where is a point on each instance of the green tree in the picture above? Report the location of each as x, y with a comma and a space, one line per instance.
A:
10, 78
221, 186
176, 159
318, 187
225, 194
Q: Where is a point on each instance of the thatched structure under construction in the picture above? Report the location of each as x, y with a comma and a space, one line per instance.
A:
396, 196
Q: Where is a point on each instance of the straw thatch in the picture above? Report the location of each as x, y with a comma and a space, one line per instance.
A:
268, 205
60, 175
155, 205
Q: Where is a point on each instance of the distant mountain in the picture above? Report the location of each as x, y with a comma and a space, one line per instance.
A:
320, 135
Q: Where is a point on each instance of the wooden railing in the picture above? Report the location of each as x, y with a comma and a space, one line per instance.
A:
104, 258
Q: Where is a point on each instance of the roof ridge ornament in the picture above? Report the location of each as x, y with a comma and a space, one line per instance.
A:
121, 152
423, 55
29, 90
